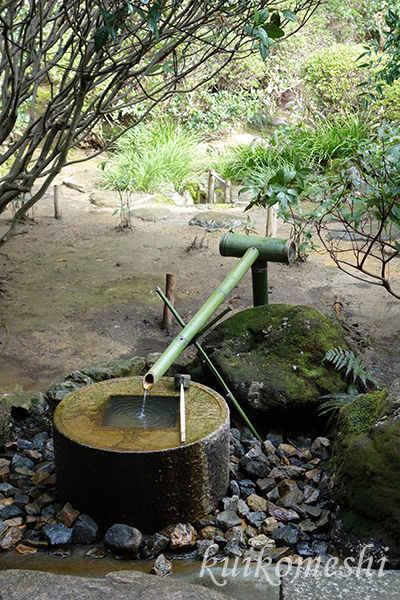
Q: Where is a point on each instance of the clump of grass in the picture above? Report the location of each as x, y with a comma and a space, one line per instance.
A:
154, 156
316, 144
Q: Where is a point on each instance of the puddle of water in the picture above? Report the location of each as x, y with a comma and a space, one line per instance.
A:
139, 411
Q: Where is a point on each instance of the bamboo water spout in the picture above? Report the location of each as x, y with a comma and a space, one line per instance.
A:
197, 322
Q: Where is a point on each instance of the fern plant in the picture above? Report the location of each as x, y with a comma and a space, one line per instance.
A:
356, 371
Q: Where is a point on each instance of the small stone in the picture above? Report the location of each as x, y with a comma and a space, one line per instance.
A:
19, 481
58, 534
181, 535
288, 449
310, 494
242, 508
319, 547
36, 491
289, 492
320, 448
266, 485
314, 475
19, 461
96, 553
161, 567
232, 549
230, 503
276, 553
24, 549
261, 541
6, 502
234, 488
8, 490
206, 546
304, 549
40, 478
268, 448
283, 514
269, 525
273, 495
85, 530
285, 536
33, 455
292, 559
10, 448
3, 527
21, 499
32, 509
212, 533
304, 454
256, 503
35, 539
236, 533
256, 518
17, 522
24, 472
288, 472
42, 521
123, 539
50, 511
307, 526
313, 511
247, 437
12, 537
44, 500
323, 521
154, 545
207, 521
47, 466
247, 487
61, 552
10, 512
255, 463
227, 519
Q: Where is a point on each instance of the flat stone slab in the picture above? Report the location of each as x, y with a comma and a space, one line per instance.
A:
340, 584
121, 585
217, 220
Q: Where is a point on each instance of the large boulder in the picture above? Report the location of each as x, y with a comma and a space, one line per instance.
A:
366, 462
272, 359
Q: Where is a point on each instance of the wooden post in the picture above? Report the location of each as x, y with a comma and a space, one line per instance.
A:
57, 202
211, 185
272, 225
227, 191
170, 294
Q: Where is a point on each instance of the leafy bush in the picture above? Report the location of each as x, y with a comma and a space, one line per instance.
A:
332, 77
153, 156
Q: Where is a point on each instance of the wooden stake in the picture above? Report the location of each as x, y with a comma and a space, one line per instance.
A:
170, 294
271, 222
227, 191
182, 414
57, 202
211, 185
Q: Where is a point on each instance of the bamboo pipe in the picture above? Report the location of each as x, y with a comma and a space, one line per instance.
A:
197, 322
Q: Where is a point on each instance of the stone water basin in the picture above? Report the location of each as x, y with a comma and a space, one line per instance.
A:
116, 470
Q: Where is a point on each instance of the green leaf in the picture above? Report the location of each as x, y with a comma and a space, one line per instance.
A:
289, 15
264, 50
100, 38
273, 31
112, 32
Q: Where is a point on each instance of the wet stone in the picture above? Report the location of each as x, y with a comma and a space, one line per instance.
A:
289, 492
320, 448
307, 526
273, 495
288, 472
234, 488
256, 518
12, 537
310, 494
266, 485
212, 533
242, 508
255, 463
58, 534
236, 533
181, 535
237, 448
7, 489
314, 475
230, 503
61, 552
269, 525
304, 549
20, 461
85, 530
256, 503
247, 487
20, 499
25, 549
34, 455
3, 527
17, 522
40, 478
285, 536
67, 515
96, 553
123, 539
208, 520
154, 545
320, 547
283, 514
323, 521
268, 448
232, 549
47, 466
32, 509
276, 553
206, 547
44, 500
314, 511
288, 449
162, 566
10, 512
261, 541
227, 519
10, 448
247, 437
37, 491
24, 444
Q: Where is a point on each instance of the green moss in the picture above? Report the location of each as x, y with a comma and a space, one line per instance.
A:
359, 416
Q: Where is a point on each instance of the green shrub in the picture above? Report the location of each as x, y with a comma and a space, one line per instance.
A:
154, 156
331, 77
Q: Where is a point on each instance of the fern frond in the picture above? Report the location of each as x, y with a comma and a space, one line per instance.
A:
342, 358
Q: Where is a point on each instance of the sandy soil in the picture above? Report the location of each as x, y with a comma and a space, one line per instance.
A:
77, 291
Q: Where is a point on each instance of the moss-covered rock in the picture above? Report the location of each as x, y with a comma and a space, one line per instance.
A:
272, 358
5, 414
116, 368
366, 462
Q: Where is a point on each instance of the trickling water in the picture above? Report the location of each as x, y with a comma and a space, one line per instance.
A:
142, 414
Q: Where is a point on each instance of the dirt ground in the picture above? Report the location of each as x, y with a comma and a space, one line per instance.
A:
77, 290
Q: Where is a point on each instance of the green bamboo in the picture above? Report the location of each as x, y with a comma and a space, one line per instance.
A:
197, 322
207, 326
229, 394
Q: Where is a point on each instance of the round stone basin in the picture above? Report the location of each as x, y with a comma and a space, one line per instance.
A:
122, 462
